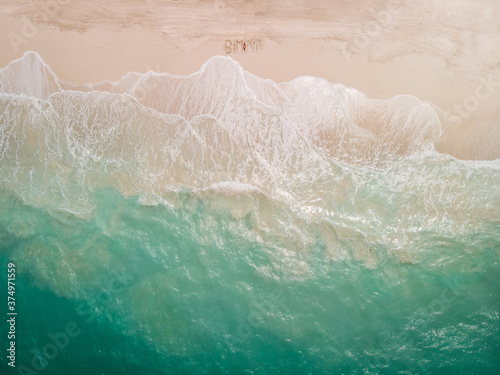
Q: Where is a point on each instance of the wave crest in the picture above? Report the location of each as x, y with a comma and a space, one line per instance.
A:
321, 160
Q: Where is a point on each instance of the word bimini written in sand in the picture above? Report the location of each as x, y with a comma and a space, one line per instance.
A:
261, 187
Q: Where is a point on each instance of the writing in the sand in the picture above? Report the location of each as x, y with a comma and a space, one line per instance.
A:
233, 46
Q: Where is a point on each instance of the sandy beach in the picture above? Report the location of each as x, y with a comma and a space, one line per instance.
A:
258, 187
445, 53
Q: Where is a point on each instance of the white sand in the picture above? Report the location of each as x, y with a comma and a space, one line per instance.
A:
441, 51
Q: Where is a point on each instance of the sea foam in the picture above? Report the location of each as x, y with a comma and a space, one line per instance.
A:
338, 165
221, 223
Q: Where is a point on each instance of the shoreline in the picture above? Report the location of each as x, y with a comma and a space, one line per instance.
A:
382, 51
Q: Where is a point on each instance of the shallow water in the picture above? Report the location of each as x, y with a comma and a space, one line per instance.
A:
219, 223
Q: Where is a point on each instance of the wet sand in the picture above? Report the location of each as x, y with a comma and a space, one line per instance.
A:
445, 53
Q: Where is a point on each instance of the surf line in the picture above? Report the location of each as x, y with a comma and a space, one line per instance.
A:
233, 46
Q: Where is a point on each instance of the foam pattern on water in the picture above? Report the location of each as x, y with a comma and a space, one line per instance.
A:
220, 195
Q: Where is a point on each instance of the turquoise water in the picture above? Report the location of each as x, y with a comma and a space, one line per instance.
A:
180, 291
193, 244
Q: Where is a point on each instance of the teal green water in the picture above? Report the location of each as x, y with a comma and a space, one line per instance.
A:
159, 290
224, 224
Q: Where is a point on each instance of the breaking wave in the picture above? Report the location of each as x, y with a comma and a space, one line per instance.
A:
220, 197
336, 163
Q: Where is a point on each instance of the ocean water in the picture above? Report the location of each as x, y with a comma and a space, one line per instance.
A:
224, 224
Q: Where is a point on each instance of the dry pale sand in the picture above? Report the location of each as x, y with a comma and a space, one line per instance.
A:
445, 52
